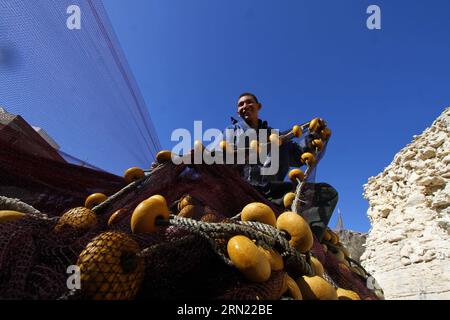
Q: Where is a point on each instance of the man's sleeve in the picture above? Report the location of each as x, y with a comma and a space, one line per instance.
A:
295, 152
229, 134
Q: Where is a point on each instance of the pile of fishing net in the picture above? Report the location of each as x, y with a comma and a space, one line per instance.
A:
196, 246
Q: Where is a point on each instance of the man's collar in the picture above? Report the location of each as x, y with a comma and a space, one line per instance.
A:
244, 125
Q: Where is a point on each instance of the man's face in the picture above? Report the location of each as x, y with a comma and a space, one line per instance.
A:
248, 108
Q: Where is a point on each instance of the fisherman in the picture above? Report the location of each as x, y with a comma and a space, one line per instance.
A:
323, 197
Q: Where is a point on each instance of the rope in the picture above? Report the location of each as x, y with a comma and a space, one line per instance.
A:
17, 205
327, 277
133, 186
295, 207
236, 217
278, 235
265, 235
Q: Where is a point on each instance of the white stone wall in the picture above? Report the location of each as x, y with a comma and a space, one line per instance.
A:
408, 247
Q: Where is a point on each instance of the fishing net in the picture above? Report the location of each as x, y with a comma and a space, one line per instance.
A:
173, 263
74, 83
51, 186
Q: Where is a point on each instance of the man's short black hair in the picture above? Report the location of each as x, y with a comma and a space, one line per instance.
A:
249, 94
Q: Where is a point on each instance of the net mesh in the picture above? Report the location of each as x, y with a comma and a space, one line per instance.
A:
169, 264
76, 84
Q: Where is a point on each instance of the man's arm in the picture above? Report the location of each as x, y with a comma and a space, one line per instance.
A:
295, 152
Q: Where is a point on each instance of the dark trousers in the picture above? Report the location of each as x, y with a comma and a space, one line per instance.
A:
320, 198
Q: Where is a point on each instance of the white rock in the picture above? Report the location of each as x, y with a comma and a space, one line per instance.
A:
431, 181
442, 198
394, 188
406, 250
399, 219
444, 224
438, 140
417, 164
427, 153
413, 178
396, 236
395, 176
410, 154
405, 261
415, 258
415, 227
446, 175
412, 213
415, 199
446, 160
429, 256
385, 211
408, 247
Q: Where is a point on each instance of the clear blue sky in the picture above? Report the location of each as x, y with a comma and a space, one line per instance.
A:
302, 59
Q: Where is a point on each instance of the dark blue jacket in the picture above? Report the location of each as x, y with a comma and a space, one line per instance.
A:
289, 156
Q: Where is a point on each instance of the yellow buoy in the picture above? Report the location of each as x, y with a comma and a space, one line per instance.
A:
327, 235
292, 288
325, 134
316, 288
347, 294
198, 146
94, 200
192, 211
317, 266
315, 124
164, 156
79, 218
133, 174
334, 238
295, 174
255, 145
259, 212
275, 259
224, 145
317, 144
116, 217
297, 131
246, 257
288, 199
298, 229
10, 215
275, 139
147, 212
308, 158
110, 267
185, 200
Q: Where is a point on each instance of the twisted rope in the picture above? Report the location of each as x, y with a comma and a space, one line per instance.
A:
131, 187
17, 205
264, 234
295, 207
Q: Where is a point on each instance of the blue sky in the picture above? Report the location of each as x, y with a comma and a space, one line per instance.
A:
375, 88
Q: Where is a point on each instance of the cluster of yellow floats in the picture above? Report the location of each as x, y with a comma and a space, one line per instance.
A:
112, 268
107, 274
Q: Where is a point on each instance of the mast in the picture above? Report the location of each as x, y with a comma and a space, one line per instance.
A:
340, 222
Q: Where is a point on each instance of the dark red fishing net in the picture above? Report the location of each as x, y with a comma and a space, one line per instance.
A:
178, 265
341, 274
50, 185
